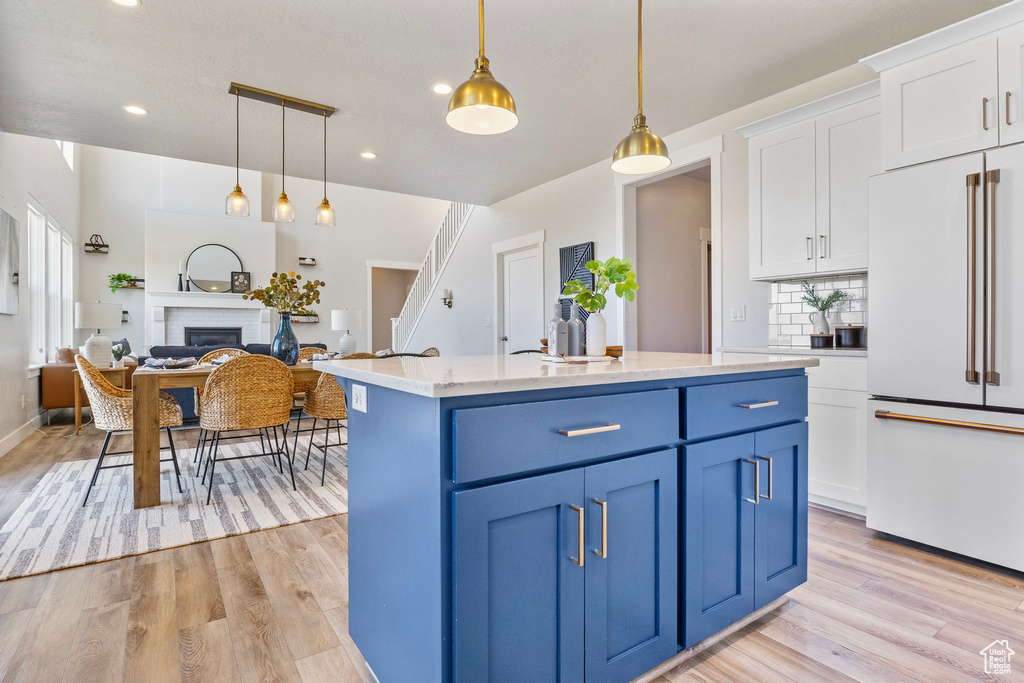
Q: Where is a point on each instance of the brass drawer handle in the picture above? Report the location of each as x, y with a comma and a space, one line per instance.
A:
603, 552
579, 560
590, 430
754, 406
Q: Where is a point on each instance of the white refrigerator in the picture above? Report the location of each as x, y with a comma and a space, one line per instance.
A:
946, 367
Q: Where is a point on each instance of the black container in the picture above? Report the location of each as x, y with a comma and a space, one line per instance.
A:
821, 341
850, 337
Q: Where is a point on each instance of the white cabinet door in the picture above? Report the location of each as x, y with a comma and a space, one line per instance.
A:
918, 245
1011, 86
838, 449
782, 202
941, 105
849, 150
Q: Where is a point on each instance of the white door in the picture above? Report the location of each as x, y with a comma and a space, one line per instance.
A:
782, 202
522, 300
922, 329
1011, 86
849, 151
941, 105
837, 448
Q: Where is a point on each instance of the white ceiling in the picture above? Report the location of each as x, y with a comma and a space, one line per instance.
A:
67, 67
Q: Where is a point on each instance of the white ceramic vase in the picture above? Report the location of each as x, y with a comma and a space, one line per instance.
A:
118, 364
820, 322
97, 350
597, 334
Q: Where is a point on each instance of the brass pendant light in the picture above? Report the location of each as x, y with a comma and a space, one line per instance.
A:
236, 204
284, 210
482, 105
325, 212
641, 151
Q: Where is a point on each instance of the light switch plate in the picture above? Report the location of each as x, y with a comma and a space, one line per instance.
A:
738, 314
359, 397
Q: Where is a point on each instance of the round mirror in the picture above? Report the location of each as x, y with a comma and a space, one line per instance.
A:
209, 267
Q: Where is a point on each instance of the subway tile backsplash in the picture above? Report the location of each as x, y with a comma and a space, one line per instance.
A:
788, 321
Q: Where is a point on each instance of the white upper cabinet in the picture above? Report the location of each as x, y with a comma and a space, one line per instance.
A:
1011, 85
809, 170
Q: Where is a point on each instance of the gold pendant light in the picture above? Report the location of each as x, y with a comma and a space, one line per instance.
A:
481, 105
641, 151
284, 210
325, 212
236, 204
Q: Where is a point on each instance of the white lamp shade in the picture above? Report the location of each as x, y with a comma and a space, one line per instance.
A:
344, 319
97, 316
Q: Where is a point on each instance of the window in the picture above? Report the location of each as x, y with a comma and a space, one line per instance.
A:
51, 284
68, 150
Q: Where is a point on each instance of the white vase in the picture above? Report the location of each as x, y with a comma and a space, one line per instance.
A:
97, 350
118, 364
820, 322
597, 334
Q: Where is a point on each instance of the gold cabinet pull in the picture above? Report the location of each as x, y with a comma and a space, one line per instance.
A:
579, 560
757, 483
984, 113
590, 430
771, 478
1007, 108
755, 406
603, 552
971, 374
991, 178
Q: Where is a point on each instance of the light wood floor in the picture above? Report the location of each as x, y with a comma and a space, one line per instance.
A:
272, 606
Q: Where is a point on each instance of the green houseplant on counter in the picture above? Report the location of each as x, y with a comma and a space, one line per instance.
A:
822, 305
288, 297
614, 271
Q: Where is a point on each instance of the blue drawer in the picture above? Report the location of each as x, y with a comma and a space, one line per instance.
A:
738, 406
505, 440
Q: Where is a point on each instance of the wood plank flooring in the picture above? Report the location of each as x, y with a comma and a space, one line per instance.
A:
273, 606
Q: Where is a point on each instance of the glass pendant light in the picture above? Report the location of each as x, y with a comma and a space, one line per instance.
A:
284, 210
236, 204
325, 212
641, 151
481, 105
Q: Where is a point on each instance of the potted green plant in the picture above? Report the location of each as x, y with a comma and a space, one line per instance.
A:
614, 271
119, 280
118, 351
289, 296
822, 305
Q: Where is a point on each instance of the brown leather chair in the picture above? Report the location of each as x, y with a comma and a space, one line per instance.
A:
57, 381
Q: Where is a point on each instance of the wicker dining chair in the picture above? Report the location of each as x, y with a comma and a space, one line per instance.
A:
325, 401
252, 393
361, 355
198, 392
112, 412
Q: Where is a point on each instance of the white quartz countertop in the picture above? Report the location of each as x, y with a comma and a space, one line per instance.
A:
796, 351
471, 375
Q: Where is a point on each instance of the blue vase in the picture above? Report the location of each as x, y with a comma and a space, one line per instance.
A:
285, 346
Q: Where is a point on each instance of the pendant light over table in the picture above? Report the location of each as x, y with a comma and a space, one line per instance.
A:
236, 204
325, 212
641, 151
284, 210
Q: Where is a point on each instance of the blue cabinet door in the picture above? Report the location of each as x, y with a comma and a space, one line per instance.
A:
718, 535
780, 546
631, 571
518, 593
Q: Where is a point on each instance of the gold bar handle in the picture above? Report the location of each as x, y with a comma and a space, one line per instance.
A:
977, 426
603, 552
579, 560
590, 430
991, 178
755, 406
771, 478
1007, 108
757, 483
984, 113
971, 374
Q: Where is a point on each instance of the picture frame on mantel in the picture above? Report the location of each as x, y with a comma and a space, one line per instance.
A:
241, 281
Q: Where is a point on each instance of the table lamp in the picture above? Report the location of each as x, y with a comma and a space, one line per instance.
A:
344, 319
97, 316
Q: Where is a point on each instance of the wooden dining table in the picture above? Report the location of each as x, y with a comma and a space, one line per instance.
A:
147, 383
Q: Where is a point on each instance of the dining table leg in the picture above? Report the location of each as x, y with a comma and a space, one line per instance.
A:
146, 439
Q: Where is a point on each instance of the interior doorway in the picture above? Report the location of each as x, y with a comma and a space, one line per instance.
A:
388, 285
519, 293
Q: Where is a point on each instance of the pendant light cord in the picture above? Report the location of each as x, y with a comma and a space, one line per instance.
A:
282, 146
237, 98
325, 154
639, 57
481, 28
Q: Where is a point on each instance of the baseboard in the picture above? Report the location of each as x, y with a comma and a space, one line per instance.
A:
20, 434
832, 505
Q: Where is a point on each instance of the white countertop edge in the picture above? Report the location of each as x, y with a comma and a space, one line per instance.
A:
796, 351
492, 385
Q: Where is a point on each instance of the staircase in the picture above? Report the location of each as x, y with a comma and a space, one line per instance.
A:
441, 247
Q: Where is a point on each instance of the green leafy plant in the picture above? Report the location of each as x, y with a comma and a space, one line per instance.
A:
118, 280
118, 351
287, 293
819, 303
614, 271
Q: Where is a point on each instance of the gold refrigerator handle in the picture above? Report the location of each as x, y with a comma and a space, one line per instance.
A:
971, 375
991, 178
977, 426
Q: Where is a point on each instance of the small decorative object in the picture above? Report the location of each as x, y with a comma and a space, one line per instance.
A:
96, 245
124, 317
241, 281
344, 319
180, 276
118, 351
576, 331
850, 337
614, 271
614, 351
121, 280
557, 342
821, 341
287, 296
97, 316
822, 306
446, 298
307, 261
310, 317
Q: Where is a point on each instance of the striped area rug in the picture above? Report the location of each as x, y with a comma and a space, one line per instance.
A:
51, 530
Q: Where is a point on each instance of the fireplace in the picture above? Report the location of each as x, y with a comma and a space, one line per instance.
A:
213, 336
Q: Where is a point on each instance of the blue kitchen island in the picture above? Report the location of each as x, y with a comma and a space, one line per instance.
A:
512, 519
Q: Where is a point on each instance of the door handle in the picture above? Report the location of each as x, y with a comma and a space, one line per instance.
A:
991, 178
757, 482
764, 404
771, 478
603, 552
809, 246
821, 246
590, 430
984, 113
504, 338
579, 559
1007, 108
971, 374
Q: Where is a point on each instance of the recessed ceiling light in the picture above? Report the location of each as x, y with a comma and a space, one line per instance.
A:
368, 155
134, 109
442, 88
128, 3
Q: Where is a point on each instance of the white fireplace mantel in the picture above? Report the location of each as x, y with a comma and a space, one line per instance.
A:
157, 302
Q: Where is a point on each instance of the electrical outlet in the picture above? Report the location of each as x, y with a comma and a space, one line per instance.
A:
359, 397
738, 314
487, 322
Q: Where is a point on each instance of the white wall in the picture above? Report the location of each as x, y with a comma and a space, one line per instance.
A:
36, 167
669, 216
580, 207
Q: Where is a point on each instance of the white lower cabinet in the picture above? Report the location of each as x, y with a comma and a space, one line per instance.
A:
837, 448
